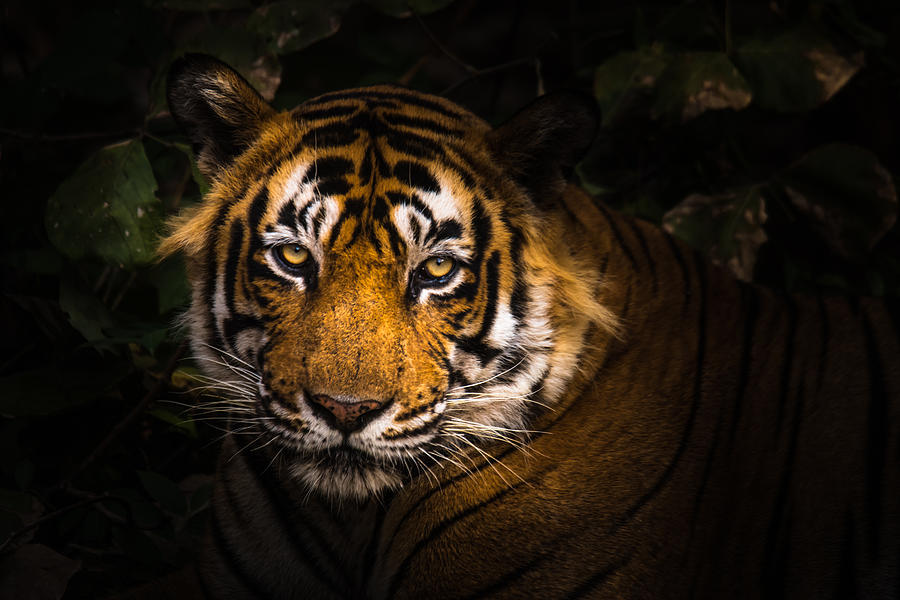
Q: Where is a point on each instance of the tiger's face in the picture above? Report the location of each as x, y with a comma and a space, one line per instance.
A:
368, 279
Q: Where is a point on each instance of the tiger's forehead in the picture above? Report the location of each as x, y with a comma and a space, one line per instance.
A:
305, 180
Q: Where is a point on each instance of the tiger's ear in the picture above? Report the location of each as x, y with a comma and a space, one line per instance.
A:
218, 110
540, 145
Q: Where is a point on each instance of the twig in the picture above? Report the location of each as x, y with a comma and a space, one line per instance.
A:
443, 49
50, 516
121, 295
157, 139
131, 417
411, 71
487, 71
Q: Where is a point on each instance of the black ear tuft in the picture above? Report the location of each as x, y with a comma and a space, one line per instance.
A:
218, 110
540, 145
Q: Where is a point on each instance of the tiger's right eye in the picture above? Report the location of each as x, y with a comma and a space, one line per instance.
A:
292, 255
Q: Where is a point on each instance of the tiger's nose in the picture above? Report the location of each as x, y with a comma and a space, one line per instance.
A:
346, 415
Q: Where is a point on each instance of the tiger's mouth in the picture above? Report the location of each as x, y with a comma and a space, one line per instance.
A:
336, 463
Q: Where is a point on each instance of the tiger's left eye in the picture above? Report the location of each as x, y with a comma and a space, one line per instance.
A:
437, 267
293, 255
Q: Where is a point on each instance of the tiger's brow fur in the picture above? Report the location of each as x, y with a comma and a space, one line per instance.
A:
584, 408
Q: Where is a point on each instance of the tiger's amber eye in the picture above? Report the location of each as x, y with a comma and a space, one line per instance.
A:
294, 254
439, 266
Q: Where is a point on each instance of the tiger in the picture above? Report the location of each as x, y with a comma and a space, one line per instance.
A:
449, 372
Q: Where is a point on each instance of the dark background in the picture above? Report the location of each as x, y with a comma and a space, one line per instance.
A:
763, 133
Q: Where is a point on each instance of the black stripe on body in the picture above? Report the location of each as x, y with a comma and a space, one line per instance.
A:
465, 474
402, 571
669, 469
371, 552
847, 585
241, 572
617, 234
777, 551
682, 264
876, 436
469, 472
642, 242
750, 301
785, 385
282, 509
826, 335
596, 580
502, 583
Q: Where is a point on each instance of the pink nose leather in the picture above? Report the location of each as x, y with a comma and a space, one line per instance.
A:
346, 414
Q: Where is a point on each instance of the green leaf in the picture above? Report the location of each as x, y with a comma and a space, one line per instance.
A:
696, 82
164, 491
796, 71
107, 208
728, 227
291, 25
624, 80
845, 195
86, 313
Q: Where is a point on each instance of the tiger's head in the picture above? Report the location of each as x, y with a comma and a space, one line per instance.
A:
380, 280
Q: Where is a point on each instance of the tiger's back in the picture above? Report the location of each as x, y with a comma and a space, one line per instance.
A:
605, 415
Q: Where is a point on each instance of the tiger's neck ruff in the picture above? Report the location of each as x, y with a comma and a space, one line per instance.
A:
448, 373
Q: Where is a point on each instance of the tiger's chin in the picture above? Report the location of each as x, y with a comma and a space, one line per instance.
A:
340, 473
342, 477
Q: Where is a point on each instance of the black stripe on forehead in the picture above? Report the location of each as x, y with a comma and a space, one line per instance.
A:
398, 199
329, 174
416, 175
445, 230
327, 112
422, 123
